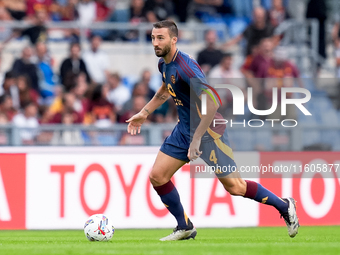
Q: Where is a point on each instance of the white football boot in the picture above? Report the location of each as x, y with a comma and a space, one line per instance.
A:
290, 217
181, 234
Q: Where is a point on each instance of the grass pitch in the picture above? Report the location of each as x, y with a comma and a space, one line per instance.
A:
310, 240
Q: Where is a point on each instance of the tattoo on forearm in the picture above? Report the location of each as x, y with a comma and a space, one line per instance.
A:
148, 112
160, 96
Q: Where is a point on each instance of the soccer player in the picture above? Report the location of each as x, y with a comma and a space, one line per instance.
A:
179, 71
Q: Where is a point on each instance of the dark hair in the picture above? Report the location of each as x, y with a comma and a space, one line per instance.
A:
173, 30
97, 93
27, 104
10, 75
3, 98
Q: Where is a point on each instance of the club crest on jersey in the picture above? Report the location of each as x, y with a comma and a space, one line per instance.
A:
173, 79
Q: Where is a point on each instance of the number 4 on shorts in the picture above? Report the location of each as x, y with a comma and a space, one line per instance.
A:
212, 157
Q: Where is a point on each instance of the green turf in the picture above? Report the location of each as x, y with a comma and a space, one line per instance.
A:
310, 240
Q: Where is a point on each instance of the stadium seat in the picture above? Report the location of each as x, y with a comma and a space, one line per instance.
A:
236, 25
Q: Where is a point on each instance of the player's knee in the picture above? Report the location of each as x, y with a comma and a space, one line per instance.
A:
157, 179
234, 191
237, 188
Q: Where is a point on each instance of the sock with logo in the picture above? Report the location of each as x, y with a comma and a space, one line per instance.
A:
170, 198
260, 194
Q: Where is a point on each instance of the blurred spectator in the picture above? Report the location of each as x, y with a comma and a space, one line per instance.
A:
336, 31
87, 11
258, 69
45, 73
181, 9
25, 66
227, 74
157, 10
10, 88
67, 137
161, 114
81, 103
278, 13
17, 9
316, 9
55, 107
35, 33
255, 32
146, 79
68, 102
26, 93
6, 107
103, 10
102, 111
204, 8
97, 61
118, 94
260, 64
137, 12
137, 105
55, 11
138, 102
136, 15
279, 66
68, 10
37, 5
140, 89
38, 32
225, 69
209, 56
245, 68
282, 73
72, 67
42, 54
5, 32
28, 123
143, 88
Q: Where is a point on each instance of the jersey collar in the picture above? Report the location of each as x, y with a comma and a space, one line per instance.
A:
175, 56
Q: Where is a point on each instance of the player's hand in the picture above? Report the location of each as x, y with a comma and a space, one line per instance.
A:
194, 149
135, 123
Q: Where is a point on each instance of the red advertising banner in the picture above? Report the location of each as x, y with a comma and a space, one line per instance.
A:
312, 178
72, 188
12, 191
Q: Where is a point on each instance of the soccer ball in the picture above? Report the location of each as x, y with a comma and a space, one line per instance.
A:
98, 228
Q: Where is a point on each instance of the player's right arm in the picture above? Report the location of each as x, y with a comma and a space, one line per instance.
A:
136, 121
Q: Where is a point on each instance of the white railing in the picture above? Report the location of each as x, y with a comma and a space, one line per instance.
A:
266, 138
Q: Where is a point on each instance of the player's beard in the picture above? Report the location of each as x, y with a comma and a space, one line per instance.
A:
163, 52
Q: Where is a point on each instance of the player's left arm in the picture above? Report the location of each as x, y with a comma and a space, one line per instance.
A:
206, 120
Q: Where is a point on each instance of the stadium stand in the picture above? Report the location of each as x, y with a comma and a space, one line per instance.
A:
75, 108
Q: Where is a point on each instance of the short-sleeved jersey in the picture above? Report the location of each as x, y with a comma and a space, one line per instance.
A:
185, 82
